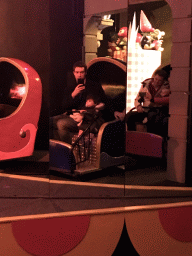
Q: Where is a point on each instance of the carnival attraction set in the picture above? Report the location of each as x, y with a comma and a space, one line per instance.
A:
90, 153
21, 95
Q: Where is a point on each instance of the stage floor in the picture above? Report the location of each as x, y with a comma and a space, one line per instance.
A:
27, 187
27, 195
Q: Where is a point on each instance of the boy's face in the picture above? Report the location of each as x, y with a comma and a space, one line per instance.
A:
90, 103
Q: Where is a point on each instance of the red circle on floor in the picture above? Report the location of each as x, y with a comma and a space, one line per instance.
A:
177, 222
50, 237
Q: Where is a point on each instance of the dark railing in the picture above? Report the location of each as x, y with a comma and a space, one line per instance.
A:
81, 147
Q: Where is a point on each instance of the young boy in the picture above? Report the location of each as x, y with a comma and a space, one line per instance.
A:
90, 114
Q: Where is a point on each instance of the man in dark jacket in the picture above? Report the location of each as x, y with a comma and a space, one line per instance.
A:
63, 126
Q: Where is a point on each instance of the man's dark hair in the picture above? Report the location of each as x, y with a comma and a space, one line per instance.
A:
167, 69
80, 64
161, 73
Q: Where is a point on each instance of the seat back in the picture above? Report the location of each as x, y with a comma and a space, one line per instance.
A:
111, 74
144, 144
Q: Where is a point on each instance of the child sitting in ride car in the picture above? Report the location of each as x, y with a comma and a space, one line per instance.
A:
90, 114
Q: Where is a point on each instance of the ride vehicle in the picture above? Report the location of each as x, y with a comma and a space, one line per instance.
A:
113, 142
88, 153
20, 105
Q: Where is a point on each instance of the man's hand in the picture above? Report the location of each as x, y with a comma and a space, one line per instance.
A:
147, 96
165, 92
140, 109
119, 115
78, 89
77, 117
